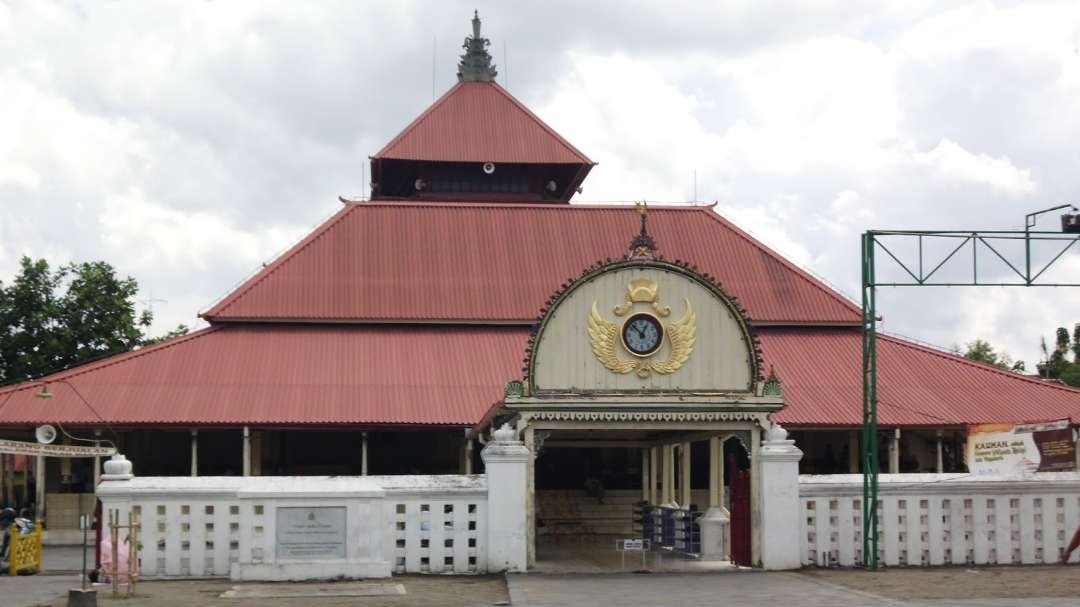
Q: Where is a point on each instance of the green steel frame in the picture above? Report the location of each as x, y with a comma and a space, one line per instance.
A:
918, 273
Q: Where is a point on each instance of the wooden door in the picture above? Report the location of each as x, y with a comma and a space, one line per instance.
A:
740, 514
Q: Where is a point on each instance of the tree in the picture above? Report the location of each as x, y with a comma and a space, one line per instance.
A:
52, 320
981, 351
1056, 364
180, 329
1071, 375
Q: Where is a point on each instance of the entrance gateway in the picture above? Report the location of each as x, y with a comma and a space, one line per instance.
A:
642, 357
644, 365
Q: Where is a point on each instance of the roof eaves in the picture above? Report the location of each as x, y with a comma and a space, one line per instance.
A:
416, 122
544, 125
978, 365
218, 308
72, 372
786, 262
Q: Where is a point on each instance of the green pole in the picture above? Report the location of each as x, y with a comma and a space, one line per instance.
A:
869, 449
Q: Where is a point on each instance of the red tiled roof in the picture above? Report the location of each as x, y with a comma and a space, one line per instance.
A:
474, 262
306, 374
266, 374
821, 370
481, 122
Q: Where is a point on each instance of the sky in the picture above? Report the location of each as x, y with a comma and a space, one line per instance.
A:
188, 143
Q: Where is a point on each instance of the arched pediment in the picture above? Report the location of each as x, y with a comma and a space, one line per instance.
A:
642, 325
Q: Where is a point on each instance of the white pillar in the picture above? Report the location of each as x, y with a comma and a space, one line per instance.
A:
684, 476
468, 455
529, 438
114, 491
194, 452
894, 452
644, 474
97, 460
39, 481
667, 495
363, 454
247, 451
1077, 451
654, 458
940, 456
780, 526
506, 461
853, 452
715, 523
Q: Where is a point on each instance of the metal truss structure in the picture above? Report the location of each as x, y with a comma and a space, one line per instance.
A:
939, 259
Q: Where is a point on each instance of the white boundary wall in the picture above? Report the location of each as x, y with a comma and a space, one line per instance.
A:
368, 526
941, 519
225, 526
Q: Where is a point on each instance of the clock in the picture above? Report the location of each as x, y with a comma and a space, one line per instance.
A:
642, 334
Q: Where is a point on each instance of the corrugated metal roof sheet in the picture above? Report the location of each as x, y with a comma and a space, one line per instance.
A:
821, 371
411, 375
500, 262
481, 122
266, 375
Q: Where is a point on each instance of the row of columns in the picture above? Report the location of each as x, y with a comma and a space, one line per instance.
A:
251, 456
251, 465
658, 478
855, 438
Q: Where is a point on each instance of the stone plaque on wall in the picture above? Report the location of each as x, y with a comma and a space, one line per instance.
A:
311, 533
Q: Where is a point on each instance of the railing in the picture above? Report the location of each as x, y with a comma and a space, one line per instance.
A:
672, 528
201, 526
436, 524
941, 519
25, 550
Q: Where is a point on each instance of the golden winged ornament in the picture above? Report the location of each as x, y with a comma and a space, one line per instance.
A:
605, 338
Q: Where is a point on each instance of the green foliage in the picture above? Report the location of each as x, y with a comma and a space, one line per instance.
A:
1071, 375
1056, 364
54, 319
981, 351
180, 329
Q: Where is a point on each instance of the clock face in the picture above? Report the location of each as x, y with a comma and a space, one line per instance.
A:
642, 334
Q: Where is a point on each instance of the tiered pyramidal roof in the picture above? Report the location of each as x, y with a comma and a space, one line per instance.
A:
414, 308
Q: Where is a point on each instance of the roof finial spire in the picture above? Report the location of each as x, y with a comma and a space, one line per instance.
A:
475, 65
642, 246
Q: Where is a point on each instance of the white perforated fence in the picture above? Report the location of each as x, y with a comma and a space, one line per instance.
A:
437, 526
941, 519
199, 527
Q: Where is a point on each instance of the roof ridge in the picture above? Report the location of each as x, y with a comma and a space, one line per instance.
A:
974, 363
423, 117
542, 124
785, 261
108, 361
419, 119
384, 203
281, 260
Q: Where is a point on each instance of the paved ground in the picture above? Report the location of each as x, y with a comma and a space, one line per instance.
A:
943, 587
33, 590
65, 559
420, 591
587, 558
960, 583
1030, 586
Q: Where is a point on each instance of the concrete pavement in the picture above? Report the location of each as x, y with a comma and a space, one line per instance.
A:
736, 588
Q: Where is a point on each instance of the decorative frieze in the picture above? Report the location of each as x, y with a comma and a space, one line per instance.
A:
648, 416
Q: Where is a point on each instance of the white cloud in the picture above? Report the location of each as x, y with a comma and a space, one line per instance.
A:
951, 161
186, 143
153, 237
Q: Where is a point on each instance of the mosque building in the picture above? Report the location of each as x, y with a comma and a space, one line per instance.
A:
389, 339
